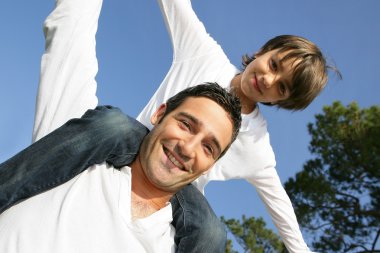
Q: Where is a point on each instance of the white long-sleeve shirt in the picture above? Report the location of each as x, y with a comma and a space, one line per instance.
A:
91, 212
198, 58
68, 88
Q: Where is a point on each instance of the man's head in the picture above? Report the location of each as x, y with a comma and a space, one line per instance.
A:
308, 70
191, 132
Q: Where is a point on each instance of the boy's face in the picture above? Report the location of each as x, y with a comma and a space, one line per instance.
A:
185, 143
267, 79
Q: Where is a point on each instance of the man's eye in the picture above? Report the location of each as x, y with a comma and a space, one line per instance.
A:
209, 149
185, 124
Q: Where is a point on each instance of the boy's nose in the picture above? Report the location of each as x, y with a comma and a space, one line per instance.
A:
269, 80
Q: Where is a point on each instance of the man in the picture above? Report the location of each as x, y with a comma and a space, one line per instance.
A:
128, 210
105, 209
288, 72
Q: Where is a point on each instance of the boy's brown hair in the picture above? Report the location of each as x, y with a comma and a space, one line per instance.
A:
309, 75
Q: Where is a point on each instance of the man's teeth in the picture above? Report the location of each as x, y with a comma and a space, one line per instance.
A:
174, 161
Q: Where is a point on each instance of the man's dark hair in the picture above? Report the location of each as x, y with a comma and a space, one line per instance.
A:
229, 102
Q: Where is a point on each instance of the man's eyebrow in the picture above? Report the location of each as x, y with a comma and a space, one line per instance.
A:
197, 122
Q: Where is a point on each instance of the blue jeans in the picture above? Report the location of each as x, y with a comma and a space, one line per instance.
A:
104, 134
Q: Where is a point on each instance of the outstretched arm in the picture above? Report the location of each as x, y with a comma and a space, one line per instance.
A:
251, 157
197, 57
68, 67
277, 202
66, 91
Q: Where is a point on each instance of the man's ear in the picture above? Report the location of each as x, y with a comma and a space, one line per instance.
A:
158, 114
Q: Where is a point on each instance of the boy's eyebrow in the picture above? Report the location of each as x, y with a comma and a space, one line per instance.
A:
196, 121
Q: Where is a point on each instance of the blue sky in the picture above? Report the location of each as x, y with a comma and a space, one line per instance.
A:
134, 54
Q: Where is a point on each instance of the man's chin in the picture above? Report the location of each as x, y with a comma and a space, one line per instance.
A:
170, 187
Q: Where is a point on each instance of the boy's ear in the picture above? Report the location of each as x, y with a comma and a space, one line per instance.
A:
158, 114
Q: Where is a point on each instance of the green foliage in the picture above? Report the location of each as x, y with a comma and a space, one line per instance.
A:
337, 194
253, 236
229, 247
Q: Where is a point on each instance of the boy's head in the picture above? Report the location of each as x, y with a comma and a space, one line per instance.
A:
309, 69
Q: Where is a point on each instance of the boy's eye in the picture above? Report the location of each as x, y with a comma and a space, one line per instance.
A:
282, 89
273, 65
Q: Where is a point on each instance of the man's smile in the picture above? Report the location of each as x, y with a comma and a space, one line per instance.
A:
176, 161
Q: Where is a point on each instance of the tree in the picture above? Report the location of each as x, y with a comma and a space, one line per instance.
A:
253, 236
229, 247
337, 194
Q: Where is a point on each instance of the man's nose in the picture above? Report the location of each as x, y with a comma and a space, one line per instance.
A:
187, 147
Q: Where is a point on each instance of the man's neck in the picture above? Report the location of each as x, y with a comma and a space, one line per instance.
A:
146, 199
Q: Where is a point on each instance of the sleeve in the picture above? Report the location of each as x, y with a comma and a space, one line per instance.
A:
187, 33
251, 157
277, 202
264, 177
67, 85
197, 57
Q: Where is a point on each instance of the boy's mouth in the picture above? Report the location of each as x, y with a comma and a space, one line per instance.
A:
256, 85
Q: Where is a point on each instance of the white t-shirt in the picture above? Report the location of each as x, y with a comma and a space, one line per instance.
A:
197, 58
90, 213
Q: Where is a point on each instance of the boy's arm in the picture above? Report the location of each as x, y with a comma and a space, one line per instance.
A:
68, 67
259, 165
278, 204
187, 33
66, 90
251, 157
195, 55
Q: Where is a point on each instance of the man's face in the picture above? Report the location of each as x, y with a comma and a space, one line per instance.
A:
185, 143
